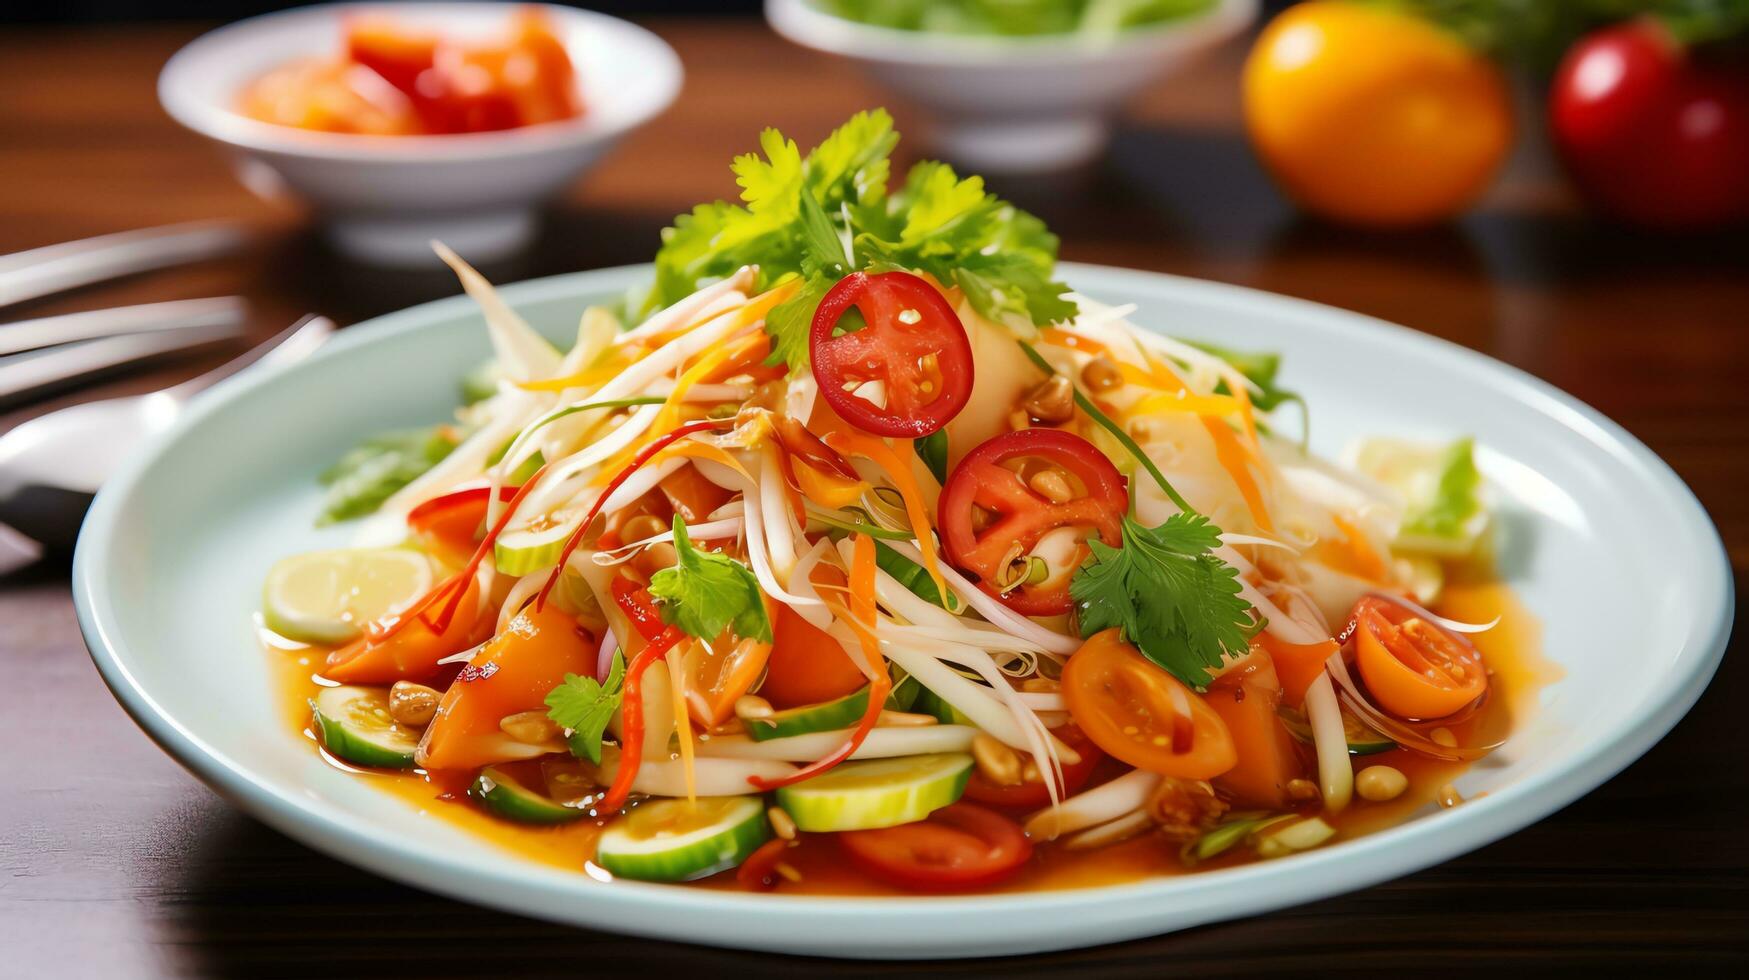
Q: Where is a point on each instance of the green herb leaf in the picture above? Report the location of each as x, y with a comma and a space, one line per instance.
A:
1456, 499
368, 475
800, 211
913, 577
583, 706
1173, 599
932, 450
707, 591
789, 322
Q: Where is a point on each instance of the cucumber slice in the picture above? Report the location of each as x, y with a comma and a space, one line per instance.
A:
327, 597
678, 840
877, 792
930, 703
828, 716
530, 549
511, 800
354, 724
1361, 739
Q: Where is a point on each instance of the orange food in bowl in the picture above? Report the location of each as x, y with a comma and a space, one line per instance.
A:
393, 80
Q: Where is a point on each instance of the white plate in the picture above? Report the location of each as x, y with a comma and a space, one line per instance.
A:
1603, 542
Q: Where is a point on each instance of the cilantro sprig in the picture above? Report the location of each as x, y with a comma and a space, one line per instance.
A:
822, 215
707, 591
583, 706
1177, 602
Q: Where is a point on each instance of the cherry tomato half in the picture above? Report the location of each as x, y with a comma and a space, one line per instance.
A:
957, 848
1032, 795
912, 342
1652, 132
1413, 668
1137, 712
1023, 516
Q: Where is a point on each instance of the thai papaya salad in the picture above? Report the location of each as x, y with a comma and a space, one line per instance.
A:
869, 534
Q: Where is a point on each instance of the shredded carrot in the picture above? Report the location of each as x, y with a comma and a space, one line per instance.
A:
765, 302
611, 363
1072, 340
1234, 458
1355, 554
682, 722
668, 416
1184, 401
896, 470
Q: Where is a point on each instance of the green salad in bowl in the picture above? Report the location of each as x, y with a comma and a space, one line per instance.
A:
1014, 18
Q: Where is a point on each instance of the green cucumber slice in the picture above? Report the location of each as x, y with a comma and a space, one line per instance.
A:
531, 549
929, 703
680, 840
509, 799
877, 792
827, 716
355, 725
1361, 739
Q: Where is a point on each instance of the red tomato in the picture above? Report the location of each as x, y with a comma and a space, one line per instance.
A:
957, 848
805, 665
1030, 796
1650, 131
912, 342
1022, 516
1413, 668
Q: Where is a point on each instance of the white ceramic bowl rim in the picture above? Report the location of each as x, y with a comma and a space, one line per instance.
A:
651, 909
807, 25
212, 113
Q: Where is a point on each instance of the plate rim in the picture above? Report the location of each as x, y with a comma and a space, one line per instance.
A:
1394, 852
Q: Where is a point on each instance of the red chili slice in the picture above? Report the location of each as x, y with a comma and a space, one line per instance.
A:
912, 343
1023, 516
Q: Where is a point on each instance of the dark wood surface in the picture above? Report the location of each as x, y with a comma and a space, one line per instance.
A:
114, 862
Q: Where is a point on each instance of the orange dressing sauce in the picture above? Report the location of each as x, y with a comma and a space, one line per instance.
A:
1511, 649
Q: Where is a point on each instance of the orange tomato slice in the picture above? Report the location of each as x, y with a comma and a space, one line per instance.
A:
1140, 714
1413, 668
511, 674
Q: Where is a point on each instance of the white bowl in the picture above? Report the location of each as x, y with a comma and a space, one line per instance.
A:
1599, 539
1015, 104
383, 198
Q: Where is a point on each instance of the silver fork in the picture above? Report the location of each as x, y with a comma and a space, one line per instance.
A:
52, 465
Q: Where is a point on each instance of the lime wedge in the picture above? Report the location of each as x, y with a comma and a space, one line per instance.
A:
1442, 490
328, 597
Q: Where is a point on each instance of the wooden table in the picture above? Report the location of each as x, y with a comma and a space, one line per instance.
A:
117, 863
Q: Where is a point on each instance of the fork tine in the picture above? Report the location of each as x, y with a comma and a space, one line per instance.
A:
24, 376
53, 268
48, 331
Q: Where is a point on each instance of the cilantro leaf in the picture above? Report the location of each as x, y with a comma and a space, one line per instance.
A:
707, 591
789, 322
1172, 598
851, 166
830, 212
583, 707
